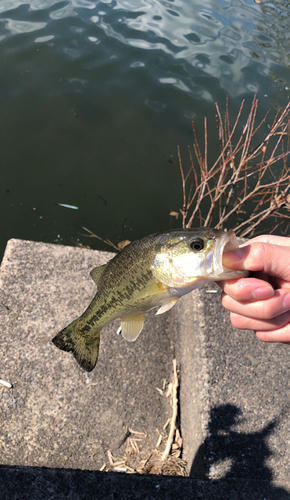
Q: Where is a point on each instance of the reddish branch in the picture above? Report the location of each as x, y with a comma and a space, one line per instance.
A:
220, 193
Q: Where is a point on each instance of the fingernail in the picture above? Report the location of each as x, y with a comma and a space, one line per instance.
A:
264, 292
286, 302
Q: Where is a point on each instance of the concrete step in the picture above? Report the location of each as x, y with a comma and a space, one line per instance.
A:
234, 390
34, 483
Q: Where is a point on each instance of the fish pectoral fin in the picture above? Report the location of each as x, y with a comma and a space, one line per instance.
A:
132, 326
167, 306
150, 290
97, 272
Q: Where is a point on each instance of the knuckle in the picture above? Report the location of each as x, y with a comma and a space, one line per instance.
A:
263, 336
270, 309
239, 321
257, 256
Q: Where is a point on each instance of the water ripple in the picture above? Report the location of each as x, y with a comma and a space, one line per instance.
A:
220, 38
16, 27
95, 94
216, 38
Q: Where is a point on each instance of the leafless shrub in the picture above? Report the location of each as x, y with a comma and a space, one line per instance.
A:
241, 181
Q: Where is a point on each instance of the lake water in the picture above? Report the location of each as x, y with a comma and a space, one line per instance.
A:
96, 95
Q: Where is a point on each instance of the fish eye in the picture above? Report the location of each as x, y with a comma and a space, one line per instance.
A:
197, 244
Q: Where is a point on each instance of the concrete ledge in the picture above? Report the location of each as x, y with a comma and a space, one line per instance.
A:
234, 393
57, 415
17, 483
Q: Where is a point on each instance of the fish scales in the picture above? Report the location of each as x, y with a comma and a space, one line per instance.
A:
152, 272
125, 276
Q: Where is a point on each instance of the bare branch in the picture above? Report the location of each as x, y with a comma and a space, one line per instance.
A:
242, 176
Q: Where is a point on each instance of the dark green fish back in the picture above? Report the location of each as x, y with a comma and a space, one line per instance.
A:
126, 274
131, 262
120, 282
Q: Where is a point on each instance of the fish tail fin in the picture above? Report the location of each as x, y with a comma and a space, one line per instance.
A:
84, 346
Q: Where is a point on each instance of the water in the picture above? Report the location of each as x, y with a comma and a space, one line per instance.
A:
96, 95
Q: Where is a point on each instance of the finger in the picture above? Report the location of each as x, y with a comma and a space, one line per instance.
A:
271, 239
270, 259
273, 281
280, 335
260, 309
271, 325
243, 289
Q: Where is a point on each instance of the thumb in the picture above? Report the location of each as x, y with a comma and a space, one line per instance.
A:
273, 260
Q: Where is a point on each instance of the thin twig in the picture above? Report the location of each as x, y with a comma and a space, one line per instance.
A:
223, 191
93, 235
174, 414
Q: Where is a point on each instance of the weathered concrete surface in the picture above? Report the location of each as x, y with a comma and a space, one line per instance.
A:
234, 391
57, 415
241, 389
18, 483
194, 408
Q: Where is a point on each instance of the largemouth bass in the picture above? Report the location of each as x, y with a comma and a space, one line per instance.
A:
152, 272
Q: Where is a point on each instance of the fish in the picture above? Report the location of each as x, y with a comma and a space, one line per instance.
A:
154, 271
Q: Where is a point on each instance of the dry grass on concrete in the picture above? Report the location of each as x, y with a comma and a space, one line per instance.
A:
136, 457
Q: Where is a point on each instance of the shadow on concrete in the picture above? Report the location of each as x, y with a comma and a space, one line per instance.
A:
243, 472
36, 483
228, 454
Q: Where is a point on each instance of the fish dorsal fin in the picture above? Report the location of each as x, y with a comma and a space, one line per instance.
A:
97, 272
167, 306
132, 326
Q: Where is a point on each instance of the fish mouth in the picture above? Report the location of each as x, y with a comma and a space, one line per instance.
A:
228, 241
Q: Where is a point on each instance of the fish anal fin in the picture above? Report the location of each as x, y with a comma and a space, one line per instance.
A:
167, 306
132, 326
97, 272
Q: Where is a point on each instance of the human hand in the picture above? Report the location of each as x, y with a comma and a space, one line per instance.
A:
262, 301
